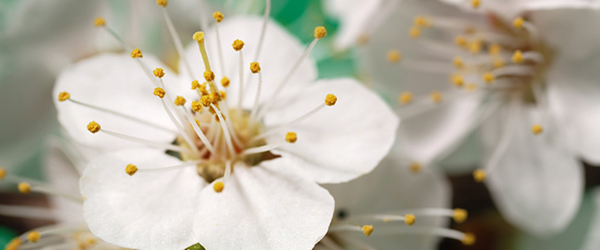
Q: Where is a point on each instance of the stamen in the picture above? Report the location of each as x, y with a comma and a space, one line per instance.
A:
475, 4
458, 62
160, 92
517, 57
405, 97
100, 22
218, 16
180, 166
208, 74
465, 238
218, 186
415, 167
24, 187
394, 56
262, 149
227, 172
291, 137
320, 32
366, 229
159, 72
255, 68
457, 80
174, 35
536, 129
459, 215
263, 30
488, 77
94, 127
479, 175
33, 236
225, 82
13, 244
2, 173
414, 32
495, 49
422, 22
198, 131
225, 130
131, 169
518, 23
436, 96
237, 46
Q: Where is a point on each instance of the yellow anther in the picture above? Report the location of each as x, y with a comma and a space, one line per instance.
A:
223, 94
458, 62
460, 41
91, 241
215, 98
498, 63
394, 56
196, 106
479, 175
238, 45
471, 87
405, 97
320, 32
495, 49
197, 122
195, 84
218, 186
517, 57
198, 36
99, 22
291, 137
330, 99
158, 72
457, 80
255, 67
225, 82
179, 101
367, 229
160, 92
475, 3
422, 21
205, 100
436, 96
24, 188
136, 53
415, 167
488, 77
537, 129
475, 47
409, 219
131, 169
518, 23
162, 3
459, 215
2, 173
414, 32
362, 39
93, 127
469, 239
13, 244
63, 96
209, 76
33, 236
217, 15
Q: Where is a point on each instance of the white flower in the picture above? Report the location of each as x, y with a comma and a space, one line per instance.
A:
523, 76
245, 176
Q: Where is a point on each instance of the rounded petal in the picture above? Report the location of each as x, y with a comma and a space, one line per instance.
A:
270, 206
117, 83
388, 189
151, 210
279, 53
537, 183
340, 142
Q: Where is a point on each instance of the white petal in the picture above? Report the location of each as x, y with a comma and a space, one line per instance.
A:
537, 184
341, 142
510, 9
390, 188
270, 206
151, 210
279, 53
115, 82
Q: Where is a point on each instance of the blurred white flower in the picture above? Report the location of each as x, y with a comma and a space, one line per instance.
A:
238, 175
522, 75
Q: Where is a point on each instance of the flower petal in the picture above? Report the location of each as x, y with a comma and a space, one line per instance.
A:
279, 53
537, 183
341, 142
270, 206
115, 82
144, 211
511, 8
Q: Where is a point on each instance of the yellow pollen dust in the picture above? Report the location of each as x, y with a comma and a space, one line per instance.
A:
136, 53
63, 96
405, 97
209, 76
409, 219
475, 3
367, 229
291, 137
436, 96
33, 236
422, 21
518, 23
2, 173
162, 3
196, 106
198, 36
459, 215
394, 56
13, 244
179, 101
479, 175
158, 72
537, 129
238, 45
457, 80
458, 62
488, 77
24, 188
160, 92
460, 41
320, 32
415, 167
414, 32
218, 186
517, 57
99, 22
495, 49
330, 99
131, 169
93, 127
217, 15
469, 239
255, 67
225, 82
498, 63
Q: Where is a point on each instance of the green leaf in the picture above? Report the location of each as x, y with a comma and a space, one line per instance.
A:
196, 246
